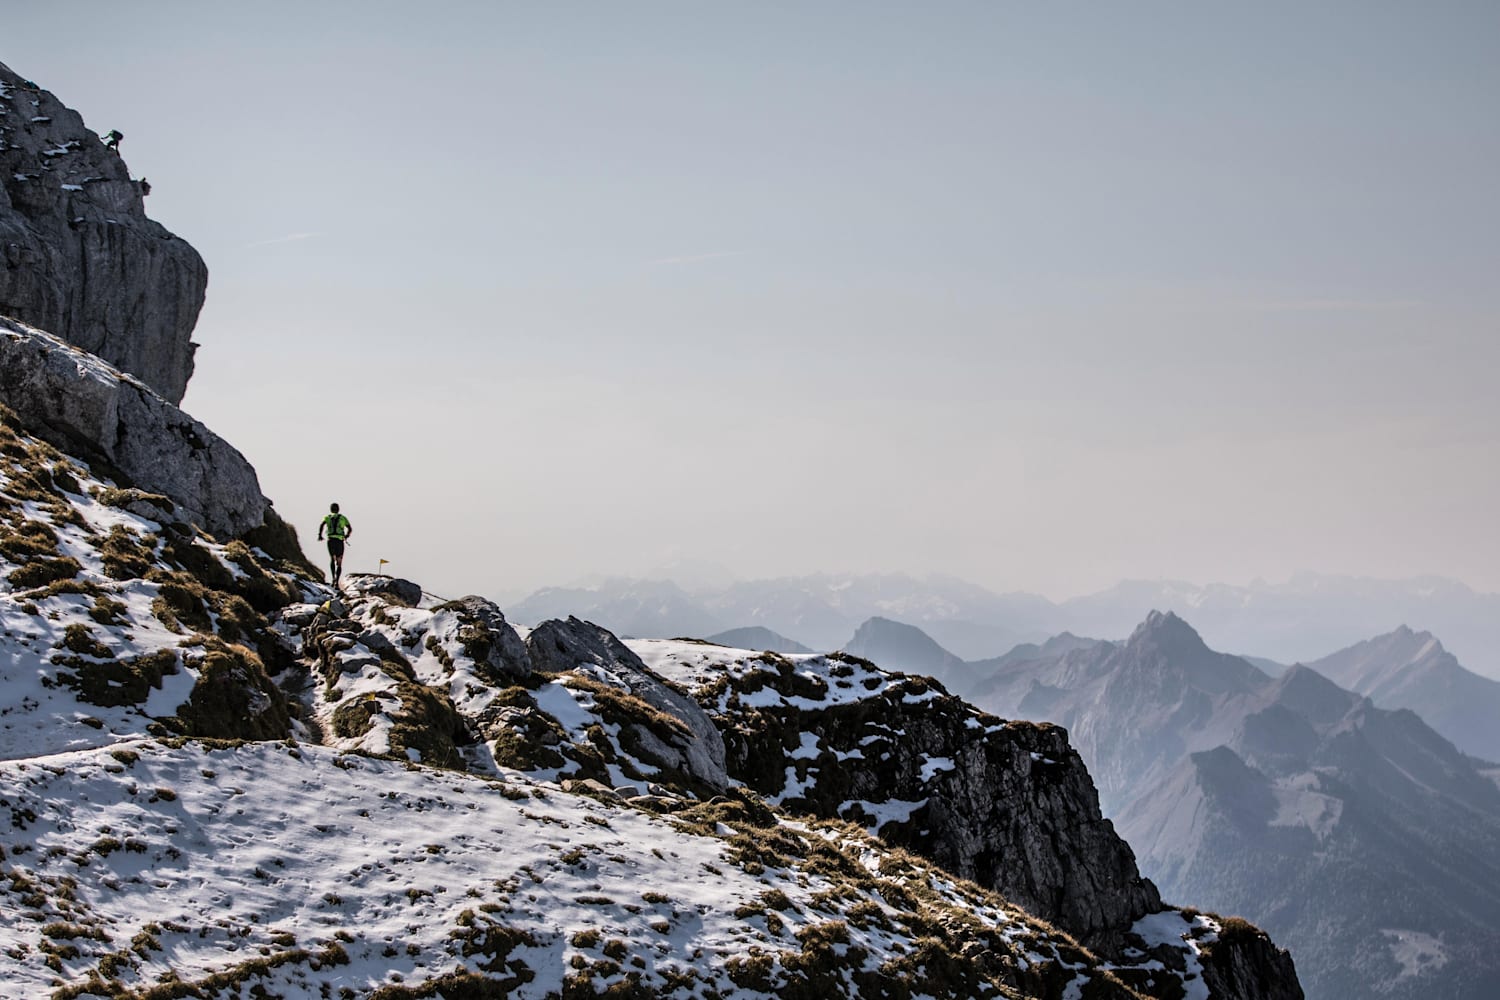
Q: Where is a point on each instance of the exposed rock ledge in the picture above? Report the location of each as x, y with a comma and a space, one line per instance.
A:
92, 409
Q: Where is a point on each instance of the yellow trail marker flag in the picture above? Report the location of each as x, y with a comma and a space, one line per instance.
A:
381, 567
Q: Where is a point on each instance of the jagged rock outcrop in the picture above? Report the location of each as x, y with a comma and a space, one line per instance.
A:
80, 257
1018, 812
1009, 805
391, 588
90, 408
488, 638
1242, 963
558, 646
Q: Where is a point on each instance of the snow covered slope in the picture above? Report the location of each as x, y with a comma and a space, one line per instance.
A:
177, 869
208, 788
114, 621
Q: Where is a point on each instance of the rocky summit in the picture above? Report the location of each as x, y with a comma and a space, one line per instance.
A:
81, 259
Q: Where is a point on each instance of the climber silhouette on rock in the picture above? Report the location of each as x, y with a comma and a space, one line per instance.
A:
112, 139
339, 529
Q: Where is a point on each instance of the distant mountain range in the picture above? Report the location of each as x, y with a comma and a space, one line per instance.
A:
1357, 834
756, 637
1407, 669
1360, 824
906, 648
820, 612
1402, 669
1288, 622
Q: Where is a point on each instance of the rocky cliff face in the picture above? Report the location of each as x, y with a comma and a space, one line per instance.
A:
90, 408
80, 257
557, 646
1008, 805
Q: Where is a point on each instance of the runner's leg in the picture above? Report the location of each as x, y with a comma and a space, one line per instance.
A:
336, 559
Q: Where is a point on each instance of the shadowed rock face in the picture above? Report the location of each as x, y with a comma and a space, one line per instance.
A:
1008, 805
1243, 962
80, 258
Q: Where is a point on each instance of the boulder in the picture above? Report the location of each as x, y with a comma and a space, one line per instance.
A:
488, 639
560, 646
392, 589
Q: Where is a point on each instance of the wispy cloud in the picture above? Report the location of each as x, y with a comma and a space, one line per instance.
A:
694, 258
1333, 305
289, 238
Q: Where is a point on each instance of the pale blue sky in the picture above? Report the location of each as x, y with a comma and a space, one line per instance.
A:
1040, 295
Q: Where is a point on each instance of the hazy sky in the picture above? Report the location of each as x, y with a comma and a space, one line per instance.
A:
1040, 295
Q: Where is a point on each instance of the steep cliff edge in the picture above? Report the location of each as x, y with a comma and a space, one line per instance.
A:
80, 257
1007, 804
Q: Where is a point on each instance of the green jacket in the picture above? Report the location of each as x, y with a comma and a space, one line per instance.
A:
337, 526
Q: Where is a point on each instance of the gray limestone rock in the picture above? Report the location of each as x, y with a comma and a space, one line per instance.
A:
298, 615
80, 258
559, 646
391, 588
93, 410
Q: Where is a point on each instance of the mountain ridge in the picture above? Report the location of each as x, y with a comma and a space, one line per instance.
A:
1289, 799
1298, 620
1409, 669
193, 692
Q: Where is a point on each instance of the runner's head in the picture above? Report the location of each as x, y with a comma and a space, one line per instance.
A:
333, 508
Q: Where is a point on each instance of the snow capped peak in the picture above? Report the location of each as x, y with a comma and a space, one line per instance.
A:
1163, 628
